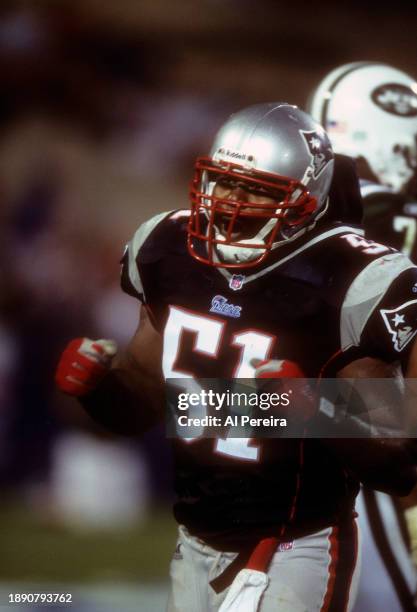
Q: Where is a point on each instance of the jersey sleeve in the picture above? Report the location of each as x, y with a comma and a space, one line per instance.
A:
131, 281
379, 313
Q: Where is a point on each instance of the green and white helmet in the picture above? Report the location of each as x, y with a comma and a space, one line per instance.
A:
369, 111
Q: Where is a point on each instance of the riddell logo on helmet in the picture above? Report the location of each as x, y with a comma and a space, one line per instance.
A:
396, 99
236, 156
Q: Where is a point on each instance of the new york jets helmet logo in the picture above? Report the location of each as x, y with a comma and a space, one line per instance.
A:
396, 99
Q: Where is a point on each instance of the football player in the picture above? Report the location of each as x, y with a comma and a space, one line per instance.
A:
369, 110
258, 276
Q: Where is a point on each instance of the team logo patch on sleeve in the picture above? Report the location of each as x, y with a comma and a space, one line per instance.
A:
401, 323
321, 153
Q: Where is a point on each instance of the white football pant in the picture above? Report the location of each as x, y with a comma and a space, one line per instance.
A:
315, 573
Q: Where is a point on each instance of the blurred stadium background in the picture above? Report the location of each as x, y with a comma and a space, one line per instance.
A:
103, 107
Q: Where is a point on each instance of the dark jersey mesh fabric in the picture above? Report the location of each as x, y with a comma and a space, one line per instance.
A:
295, 308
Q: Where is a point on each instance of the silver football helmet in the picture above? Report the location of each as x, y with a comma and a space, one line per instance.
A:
283, 159
369, 111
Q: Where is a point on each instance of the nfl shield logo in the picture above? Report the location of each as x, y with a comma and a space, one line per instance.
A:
284, 546
236, 282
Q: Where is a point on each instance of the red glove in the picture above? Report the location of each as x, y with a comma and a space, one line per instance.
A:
83, 364
278, 368
303, 403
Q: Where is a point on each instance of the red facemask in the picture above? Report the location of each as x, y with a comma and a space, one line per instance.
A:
240, 223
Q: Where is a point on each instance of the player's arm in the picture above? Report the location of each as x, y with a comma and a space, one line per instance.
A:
386, 464
411, 375
409, 503
124, 392
378, 322
130, 398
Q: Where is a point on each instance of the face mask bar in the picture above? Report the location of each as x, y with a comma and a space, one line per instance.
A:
215, 220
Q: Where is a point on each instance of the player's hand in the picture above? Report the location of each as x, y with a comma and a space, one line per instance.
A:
303, 404
277, 368
83, 364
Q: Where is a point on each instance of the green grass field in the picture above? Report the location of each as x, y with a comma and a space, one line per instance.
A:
39, 551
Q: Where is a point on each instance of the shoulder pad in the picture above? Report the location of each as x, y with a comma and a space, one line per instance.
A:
159, 235
153, 240
370, 190
366, 291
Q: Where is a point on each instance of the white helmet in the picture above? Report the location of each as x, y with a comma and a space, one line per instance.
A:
275, 149
369, 111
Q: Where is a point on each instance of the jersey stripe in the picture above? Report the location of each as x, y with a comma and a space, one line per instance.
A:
367, 189
343, 550
332, 232
334, 558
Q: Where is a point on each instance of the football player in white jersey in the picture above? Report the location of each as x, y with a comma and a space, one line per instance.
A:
369, 110
258, 279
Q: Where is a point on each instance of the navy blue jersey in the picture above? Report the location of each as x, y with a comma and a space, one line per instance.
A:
321, 301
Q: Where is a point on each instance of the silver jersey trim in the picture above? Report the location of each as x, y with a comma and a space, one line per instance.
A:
333, 232
136, 243
367, 188
365, 293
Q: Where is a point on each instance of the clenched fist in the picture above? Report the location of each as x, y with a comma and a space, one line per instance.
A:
83, 364
285, 375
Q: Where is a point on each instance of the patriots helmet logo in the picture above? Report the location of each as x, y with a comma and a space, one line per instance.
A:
320, 151
401, 323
